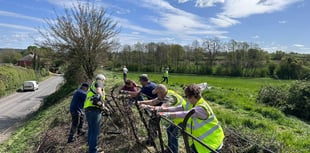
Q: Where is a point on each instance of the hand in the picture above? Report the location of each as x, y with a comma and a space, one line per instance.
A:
122, 92
143, 106
164, 114
157, 108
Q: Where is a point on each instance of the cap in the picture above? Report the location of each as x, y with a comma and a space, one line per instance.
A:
159, 88
85, 84
100, 77
143, 77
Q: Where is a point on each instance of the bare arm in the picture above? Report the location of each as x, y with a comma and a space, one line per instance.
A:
177, 113
151, 102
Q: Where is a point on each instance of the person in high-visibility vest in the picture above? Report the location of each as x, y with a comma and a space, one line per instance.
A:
93, 108
166, 98
203, 124
165, 75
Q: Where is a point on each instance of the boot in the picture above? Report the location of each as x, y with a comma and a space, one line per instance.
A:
70, 139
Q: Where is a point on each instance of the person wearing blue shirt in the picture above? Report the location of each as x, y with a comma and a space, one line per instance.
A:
147, 87
76, 111
146, 90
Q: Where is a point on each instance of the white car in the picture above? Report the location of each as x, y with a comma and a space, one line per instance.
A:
30, 85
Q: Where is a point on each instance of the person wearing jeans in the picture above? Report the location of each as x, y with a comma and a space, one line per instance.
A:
166, 98
172, 133
93, 116
93, 109
76, 111
203, 124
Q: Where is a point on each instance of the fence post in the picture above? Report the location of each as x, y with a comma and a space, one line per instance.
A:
185, 136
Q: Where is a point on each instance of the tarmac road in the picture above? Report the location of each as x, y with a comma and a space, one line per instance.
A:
15, 107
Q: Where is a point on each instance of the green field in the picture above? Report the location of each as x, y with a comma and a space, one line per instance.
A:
233, 100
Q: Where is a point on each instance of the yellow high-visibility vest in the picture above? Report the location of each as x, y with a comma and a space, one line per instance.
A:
208, 131
180, 101
90, 93
166, 74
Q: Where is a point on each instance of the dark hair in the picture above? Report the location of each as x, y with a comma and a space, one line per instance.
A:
128, 82
193, 90
85, 84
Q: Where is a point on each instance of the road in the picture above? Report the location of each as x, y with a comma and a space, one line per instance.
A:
15, 107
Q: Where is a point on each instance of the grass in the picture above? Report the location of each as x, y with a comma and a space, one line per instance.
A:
234, 103
232, 100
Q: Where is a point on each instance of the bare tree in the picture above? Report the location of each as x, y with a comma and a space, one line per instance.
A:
84, 34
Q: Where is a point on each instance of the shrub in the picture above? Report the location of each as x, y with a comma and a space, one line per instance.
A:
273, 96
299, 100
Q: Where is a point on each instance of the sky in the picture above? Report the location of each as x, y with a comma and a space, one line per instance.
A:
272, 24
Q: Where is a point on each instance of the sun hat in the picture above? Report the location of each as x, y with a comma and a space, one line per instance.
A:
100, 77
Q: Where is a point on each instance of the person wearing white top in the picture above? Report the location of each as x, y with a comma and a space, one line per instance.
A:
125, 71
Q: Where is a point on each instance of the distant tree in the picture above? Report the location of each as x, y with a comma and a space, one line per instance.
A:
212, 48
176, 56
278, 55
255, 59
84, 34
289, 68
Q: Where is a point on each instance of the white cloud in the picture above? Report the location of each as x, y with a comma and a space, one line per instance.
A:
255, 37
223, 21
234, 9
178, 21
183, 1
17, 39
282, 22
17, 27
72, 3
207, 3
16, 15
298, 45
135, 33
64, 4
128, 25
245, 8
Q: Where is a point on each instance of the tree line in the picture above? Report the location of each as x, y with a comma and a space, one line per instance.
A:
210, 57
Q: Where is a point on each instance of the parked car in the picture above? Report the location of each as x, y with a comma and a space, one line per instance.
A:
30, 85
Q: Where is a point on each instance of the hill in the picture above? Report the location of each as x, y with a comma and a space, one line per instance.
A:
11, 49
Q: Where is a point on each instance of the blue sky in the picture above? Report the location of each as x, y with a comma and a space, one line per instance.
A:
272, 24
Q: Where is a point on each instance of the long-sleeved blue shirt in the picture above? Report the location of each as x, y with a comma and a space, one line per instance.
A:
77, 102
147, 90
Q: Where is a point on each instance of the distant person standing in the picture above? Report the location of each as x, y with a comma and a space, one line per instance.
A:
165, 75
125, 71
76, 110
